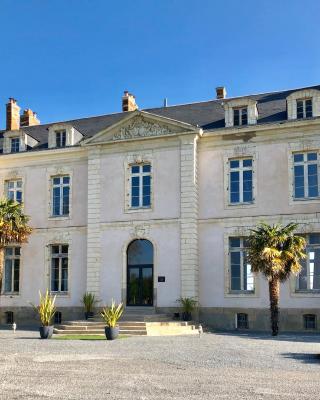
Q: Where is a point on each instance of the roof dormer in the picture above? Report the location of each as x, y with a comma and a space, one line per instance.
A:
63, 135
303, 104
15, 141
239, 112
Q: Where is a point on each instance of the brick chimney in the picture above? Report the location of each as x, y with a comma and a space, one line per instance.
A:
129, 102
221, 92
13, 115
29, 118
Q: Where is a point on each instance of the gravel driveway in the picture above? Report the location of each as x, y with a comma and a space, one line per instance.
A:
217, 366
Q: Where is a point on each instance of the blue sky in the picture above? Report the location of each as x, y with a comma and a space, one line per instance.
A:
74, 58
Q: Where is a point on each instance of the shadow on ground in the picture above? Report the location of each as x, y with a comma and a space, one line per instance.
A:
282, 337
307, 358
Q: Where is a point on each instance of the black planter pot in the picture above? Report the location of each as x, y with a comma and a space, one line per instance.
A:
88, 315
46, 332
111, 333
186, 316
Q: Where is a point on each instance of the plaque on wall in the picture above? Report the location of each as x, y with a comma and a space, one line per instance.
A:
161, 278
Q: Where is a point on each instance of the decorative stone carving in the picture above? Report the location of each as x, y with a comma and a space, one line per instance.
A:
140, 231
140, 128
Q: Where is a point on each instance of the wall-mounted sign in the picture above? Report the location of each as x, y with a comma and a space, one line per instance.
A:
161, 278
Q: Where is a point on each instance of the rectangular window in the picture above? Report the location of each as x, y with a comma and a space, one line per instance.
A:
15, 145
14, 190
304, 108
61, 138
310, 321
242, 321
306, 170
241, 277
60, 195
11, 269
59, 267
240, 181
240, 116
309, 277
141, 186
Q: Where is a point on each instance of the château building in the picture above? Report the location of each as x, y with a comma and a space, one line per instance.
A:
145, 206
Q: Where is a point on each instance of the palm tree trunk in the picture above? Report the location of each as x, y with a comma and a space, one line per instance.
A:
1, 266
274, 293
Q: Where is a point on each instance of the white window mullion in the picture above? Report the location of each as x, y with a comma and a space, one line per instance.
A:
241, 265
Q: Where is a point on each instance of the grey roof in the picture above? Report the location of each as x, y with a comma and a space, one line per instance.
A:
208, 115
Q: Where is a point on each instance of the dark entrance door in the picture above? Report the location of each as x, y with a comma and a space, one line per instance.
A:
140, 273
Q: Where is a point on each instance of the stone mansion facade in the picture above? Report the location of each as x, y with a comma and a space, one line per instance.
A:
145, 206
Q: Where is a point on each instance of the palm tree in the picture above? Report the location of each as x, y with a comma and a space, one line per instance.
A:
276, 252
14, 228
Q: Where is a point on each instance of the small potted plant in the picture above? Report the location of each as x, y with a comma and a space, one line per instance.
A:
188, 305
111, 315
89, 301
46, 310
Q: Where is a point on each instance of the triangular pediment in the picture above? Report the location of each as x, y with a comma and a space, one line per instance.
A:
141, 125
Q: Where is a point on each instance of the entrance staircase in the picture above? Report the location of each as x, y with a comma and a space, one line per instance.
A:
135, 321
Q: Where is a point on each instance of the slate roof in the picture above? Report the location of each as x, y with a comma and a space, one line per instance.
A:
208, 115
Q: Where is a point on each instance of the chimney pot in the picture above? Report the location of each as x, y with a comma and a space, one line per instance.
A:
12, 115
128, 102
221, 92
29, 118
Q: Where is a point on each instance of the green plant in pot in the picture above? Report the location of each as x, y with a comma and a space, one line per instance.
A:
111, 315
188, 305
46, 310
89, 301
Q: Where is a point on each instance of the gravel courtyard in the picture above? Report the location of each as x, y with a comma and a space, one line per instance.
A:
217, 366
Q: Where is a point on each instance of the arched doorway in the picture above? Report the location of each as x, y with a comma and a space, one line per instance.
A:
140, 273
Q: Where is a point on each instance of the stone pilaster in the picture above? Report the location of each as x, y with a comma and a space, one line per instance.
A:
189, 217
93, 234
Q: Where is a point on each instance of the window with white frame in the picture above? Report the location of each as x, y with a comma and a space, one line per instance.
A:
11, 269
15, 145
60, 195
14, 190
241, 276
140, 186
61, 138
309, 276
240, 116
240, 181
59, 267
304, 108
306, 171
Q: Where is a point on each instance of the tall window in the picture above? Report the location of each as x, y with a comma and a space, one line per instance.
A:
59, 267
141, 186
14, 190
240, 116
309, 277
12, 269
60, 195
240, 181
306, 170
15, 145
61, 138
241, 277
304, 108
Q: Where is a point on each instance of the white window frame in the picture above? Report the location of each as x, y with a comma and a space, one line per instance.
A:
240, 109
140, 175
14, 189
305, 164
14, 140
61, 185
240, 249
13, 257
304, 107
240, 169
60, 137
310, 274
60, 257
